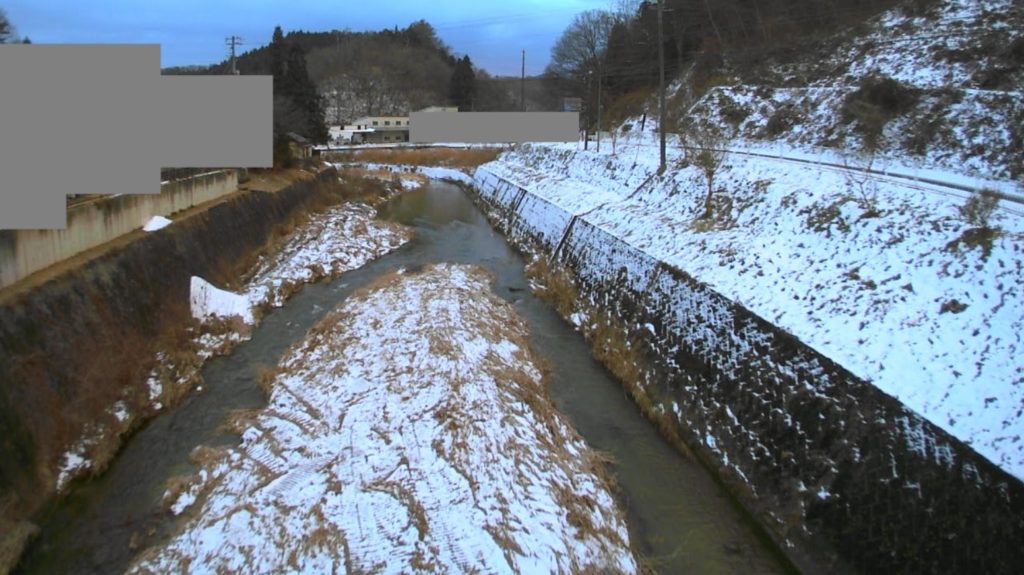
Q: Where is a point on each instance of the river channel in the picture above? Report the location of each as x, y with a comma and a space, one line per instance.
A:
680, 520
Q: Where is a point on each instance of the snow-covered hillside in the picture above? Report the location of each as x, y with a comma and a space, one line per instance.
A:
954, 100
901, 298
884, 275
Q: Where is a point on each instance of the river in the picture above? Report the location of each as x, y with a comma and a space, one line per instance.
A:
680, 519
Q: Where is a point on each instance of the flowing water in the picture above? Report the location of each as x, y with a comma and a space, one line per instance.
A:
680, 520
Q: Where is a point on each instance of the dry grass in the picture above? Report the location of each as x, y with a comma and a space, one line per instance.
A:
206, 457
265, 378
176, 485
622, 356
234, 274
554, 284
372, 187
626, 358
448, 157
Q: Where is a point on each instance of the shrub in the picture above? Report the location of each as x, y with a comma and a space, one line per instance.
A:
782, 120
978, 209
877, 100
704, 146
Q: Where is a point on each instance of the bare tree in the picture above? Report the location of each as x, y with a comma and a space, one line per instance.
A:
582, 44
704, 146
577, 59
857, 168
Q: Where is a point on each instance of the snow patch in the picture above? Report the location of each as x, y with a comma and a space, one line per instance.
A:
156, 223
209, 301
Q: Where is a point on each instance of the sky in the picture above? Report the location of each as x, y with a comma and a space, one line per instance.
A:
493, 34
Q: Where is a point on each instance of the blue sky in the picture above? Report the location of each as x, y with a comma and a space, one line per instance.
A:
194, 31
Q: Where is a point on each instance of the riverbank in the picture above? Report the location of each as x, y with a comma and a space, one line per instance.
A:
399, 458
836, 469
118, 336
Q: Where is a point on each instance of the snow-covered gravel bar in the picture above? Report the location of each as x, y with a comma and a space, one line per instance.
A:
341, 238
410, 431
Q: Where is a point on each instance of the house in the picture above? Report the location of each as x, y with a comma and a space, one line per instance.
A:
380, 129
300, 147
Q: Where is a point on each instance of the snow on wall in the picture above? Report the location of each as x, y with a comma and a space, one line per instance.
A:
796, 246
813, 441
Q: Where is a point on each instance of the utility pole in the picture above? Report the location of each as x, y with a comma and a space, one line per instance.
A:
233, 41
522, 85
600, 80
661, 87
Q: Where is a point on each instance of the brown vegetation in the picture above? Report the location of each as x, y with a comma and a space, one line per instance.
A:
877, 100
623, 356
553, 283
448, 157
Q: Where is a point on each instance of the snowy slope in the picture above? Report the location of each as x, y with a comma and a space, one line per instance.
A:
392, 463
899, 298
871, 270
961, 62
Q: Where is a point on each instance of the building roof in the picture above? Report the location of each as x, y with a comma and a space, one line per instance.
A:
299, 139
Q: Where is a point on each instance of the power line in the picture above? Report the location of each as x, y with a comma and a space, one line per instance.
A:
233, 41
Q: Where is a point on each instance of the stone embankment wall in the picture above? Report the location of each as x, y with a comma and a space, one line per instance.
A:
841, 475
90, 224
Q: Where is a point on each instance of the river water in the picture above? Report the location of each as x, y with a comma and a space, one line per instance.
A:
680, 520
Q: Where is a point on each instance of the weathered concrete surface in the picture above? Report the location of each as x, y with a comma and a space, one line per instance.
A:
90, 224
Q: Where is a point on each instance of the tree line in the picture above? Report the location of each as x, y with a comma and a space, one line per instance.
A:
8, 33
616, 51
385, 72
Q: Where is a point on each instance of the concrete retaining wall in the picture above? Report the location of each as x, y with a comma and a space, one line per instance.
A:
843, 476
23, 252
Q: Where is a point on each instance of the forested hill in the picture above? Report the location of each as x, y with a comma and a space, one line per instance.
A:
379, 72
381, 68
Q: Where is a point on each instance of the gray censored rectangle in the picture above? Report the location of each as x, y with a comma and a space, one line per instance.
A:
100, 119
493, 127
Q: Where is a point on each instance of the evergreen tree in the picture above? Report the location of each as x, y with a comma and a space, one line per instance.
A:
298, 106
462, 91
6, 28
304, 94
278, 54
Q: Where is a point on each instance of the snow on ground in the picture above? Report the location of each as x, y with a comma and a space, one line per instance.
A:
944, 47
207, 300
964, 83
901, 299
340, 239
156, 223
443, 173
432, 172
443, 454
332, 242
